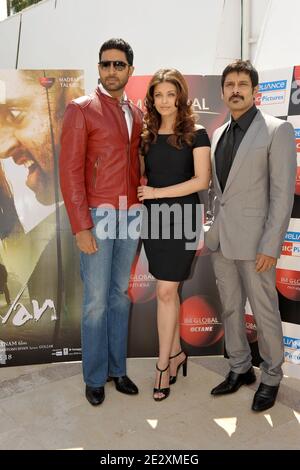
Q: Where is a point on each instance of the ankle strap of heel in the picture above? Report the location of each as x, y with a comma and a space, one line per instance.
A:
175, 355
162, 370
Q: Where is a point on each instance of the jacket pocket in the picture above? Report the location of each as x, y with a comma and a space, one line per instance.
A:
95, 171
254, 212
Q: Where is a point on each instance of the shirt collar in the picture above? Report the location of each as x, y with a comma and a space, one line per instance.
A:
245, 119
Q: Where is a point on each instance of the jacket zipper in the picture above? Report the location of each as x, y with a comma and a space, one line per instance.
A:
128, 146
96, 164
128, 168
128, 150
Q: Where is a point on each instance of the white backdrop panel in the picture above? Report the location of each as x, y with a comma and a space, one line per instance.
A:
279, 42
196, 36
9, 33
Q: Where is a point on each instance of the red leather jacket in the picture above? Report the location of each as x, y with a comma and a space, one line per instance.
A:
98, 163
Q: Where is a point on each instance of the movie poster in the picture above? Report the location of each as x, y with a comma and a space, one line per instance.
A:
40, 289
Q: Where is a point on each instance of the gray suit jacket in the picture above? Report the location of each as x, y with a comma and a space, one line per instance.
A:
252, 214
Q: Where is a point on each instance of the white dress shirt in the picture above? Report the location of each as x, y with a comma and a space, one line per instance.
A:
125, 108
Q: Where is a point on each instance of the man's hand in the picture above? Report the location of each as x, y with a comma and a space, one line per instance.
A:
264, 263
86, 242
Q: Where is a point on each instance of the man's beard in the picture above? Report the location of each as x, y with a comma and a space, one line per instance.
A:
114, 85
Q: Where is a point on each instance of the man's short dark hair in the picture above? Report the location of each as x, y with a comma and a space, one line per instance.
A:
119, 44
241, 66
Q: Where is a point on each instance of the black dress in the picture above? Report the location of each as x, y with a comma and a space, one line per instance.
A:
169, 224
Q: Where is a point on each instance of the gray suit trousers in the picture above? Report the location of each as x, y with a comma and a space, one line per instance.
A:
237, 280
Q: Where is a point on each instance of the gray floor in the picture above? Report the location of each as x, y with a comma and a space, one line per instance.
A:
43, 407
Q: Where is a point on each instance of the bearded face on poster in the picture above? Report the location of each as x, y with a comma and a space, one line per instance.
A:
31, 112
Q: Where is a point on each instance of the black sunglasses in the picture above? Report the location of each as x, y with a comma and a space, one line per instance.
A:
117, 64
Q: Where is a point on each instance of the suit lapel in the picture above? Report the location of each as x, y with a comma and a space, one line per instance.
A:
244, 148
215, 140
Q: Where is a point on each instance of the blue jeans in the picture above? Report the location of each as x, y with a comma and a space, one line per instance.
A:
105, 275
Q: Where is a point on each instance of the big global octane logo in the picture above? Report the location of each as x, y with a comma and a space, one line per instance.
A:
142, 284
199, 323
271, 92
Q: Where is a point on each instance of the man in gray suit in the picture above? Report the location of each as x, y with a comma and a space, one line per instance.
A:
254, 168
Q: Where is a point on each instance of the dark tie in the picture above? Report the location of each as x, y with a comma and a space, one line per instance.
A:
229, 140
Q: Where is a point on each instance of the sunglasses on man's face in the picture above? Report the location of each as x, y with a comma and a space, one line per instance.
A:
117, 64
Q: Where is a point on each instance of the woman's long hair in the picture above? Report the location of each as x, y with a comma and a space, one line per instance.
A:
184, 126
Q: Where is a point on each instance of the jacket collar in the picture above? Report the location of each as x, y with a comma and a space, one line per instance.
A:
103, 94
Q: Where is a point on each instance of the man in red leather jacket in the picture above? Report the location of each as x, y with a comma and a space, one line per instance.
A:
99, 174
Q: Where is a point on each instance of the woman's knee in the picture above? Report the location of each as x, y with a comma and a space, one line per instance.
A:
166, 293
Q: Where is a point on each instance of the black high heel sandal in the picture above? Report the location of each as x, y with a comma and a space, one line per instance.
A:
165, 391
173, 378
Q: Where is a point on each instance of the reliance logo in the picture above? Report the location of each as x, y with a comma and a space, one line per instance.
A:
293, 343
271, 86
292, 237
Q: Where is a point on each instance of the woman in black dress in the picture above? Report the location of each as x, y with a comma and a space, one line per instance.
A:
176, 162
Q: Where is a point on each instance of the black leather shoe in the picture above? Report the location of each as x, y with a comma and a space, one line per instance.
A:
125, 385
233, 382
264, 397
94, 395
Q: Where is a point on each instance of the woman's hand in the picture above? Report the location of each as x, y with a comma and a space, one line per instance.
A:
145, 192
